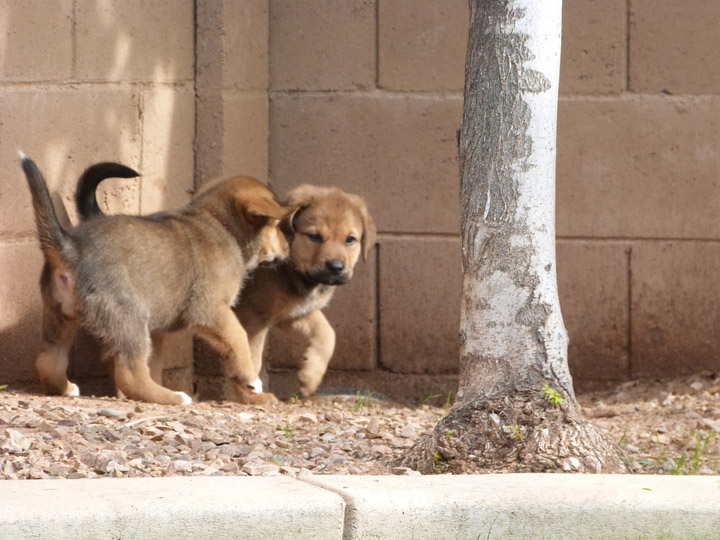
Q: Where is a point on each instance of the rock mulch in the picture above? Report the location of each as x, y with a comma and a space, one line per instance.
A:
665, 427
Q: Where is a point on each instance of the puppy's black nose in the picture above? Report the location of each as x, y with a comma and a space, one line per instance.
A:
334, 265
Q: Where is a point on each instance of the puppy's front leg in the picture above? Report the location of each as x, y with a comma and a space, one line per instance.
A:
230, 339
318, 338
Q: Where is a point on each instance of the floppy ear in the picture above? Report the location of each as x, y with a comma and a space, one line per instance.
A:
287, 224
369, 230
266, 208
304, 195
369, 234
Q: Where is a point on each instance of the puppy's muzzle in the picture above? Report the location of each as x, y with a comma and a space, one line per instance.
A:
334, 266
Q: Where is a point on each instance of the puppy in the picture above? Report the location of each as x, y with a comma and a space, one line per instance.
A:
129, 279
328, 233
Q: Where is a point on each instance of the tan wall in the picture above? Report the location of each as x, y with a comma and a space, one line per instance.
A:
369, 98
82, 82
367, 95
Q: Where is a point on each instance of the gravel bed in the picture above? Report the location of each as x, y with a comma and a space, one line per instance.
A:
665, 427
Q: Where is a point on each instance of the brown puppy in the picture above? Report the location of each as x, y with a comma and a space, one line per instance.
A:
328, 232
128, 279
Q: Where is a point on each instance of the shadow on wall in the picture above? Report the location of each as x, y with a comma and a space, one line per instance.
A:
100, 81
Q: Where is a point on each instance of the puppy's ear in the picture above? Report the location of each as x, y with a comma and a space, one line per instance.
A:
369, 234
369, 230
287, 224
304, 195
266, 208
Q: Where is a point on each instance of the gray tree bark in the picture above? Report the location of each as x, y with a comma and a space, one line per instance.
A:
515, 409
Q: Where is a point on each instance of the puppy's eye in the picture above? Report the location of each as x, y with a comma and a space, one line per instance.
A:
315, 237
350, 240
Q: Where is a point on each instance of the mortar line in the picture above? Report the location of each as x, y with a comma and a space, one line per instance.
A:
196, 100
378, 326
625, 239
73, 41
627, 45
629, 315
377, 44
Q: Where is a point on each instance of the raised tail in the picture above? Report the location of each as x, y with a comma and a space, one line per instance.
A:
85, 199
54, 240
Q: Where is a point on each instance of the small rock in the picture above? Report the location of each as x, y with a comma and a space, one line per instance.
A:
373, 428
110, 413
398, 442
697, 386
334, 416
308, 418
400, 470
408, 432
261, 469
379, 450
317, 452
704, 469
669, 465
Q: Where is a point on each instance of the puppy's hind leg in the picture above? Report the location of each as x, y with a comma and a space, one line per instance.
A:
132, 376
52, 362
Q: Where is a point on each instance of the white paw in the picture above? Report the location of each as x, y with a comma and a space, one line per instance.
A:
74, 391
187, 400
256, 387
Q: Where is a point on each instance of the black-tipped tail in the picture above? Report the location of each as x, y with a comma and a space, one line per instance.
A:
85, 198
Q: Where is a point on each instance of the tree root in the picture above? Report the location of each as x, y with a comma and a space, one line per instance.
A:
521, 432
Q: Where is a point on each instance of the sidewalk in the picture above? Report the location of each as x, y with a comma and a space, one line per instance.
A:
546, 506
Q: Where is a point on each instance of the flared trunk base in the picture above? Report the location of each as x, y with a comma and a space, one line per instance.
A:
514, 433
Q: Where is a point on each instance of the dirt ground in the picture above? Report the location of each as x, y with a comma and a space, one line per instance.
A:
665, 427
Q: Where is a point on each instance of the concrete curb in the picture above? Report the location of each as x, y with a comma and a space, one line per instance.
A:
546, 506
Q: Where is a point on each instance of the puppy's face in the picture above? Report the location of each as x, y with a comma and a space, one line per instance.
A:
329, 231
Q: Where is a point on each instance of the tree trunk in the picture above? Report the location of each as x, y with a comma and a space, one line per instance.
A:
516, 408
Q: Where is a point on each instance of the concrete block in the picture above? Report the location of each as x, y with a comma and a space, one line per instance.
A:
399, 152
21, 313
245, 135
638, 167
675, 308
168, 127
135, 40
673, 46
353, 314
420, 288
232, 45
180, 507
322, 44
532, 506
409, 389
213, 387
64, 131
245, 44
594, 286
29, 29
180, 380
422, 44
594, 47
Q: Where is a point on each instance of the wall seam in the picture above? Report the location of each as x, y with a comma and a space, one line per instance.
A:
627, 45
629, 314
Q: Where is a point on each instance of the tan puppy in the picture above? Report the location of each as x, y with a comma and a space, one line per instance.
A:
127, 279
328, 232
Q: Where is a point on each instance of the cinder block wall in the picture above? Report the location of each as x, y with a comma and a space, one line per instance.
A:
367, 95
81, 82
